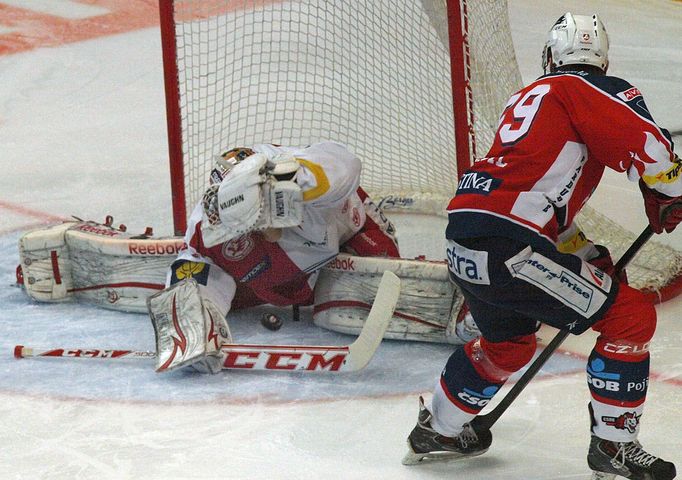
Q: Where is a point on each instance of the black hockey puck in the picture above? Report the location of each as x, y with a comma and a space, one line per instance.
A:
271, 322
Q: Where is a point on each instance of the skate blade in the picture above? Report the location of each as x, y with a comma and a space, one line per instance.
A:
603, 476
413, 458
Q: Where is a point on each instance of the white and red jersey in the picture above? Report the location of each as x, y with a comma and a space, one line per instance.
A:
554, 140
284, 272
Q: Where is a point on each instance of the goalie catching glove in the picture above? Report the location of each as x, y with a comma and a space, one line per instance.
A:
256, 193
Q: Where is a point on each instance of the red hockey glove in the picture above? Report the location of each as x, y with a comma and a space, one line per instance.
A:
604, 262
655, 204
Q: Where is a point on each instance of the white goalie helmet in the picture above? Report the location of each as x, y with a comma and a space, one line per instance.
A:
576, 40
282, 166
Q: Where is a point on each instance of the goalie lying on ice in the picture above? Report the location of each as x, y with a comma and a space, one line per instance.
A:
271, 218
110, 267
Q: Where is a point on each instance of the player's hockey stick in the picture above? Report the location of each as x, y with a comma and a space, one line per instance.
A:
484, 422
347, 358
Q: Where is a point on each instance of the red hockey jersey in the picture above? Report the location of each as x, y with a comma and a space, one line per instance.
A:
555, 138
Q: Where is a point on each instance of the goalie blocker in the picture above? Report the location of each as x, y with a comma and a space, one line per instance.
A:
109, 267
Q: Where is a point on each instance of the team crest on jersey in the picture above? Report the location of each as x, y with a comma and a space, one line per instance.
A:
238, 248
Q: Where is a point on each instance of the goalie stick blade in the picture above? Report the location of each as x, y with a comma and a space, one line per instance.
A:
363, 348
310, 358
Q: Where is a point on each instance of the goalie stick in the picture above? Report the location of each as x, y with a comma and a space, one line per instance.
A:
347, 358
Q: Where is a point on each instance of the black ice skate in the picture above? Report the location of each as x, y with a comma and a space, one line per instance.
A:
425, 443
608, 459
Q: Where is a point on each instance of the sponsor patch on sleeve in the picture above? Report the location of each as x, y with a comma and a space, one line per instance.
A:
629, 94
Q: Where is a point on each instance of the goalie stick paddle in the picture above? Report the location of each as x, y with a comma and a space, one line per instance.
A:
485, 422
347, 358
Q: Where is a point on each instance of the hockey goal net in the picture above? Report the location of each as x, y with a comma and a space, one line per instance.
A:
389, 78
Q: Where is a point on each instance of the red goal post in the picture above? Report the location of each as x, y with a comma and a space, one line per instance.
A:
414, 87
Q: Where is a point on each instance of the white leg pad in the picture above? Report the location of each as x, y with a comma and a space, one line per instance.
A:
427, 309
45, 263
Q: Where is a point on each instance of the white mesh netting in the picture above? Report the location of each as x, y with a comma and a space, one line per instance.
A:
373, 75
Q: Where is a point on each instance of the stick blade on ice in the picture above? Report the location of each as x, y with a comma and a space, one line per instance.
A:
363, 348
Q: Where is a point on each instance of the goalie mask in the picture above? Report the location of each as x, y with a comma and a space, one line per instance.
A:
226, 161
576, 40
